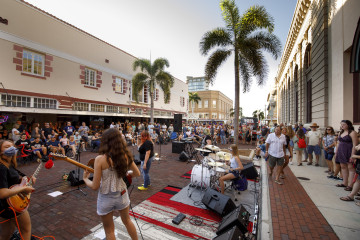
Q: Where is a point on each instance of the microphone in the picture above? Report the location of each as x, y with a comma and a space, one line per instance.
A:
49, 164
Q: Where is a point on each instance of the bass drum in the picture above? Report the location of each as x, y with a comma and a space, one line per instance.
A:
196, 180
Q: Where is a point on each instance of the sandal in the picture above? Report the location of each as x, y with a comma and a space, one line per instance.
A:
340, 185
357, 198
278, 182
282, 177
357, 204
348, 189
347, 199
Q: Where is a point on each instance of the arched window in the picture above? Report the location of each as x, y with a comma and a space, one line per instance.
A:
307, 57
296, 102
288, 100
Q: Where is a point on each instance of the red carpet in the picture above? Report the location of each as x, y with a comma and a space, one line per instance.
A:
159, 207
187, 175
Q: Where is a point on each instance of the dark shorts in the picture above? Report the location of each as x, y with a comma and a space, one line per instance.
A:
273, 161
235, 173
328, 156
6, 213
315, 149
38, 150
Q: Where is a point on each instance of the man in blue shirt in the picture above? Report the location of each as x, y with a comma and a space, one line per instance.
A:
69, 130
54, 145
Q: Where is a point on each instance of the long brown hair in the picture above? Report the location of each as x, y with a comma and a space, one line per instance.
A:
300, 134
145, 136
113, 146
290, 132
13, 160
234, 150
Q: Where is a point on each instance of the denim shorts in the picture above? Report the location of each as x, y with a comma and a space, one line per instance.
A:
315, 149
235, 173
112, 201
328, 156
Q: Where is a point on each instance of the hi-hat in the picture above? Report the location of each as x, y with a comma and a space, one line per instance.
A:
212, 147
224, 156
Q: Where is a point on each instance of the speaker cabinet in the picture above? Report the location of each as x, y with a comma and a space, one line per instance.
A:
177, 122
183, 157
233, 233
178, 147
239, 218
249, 171
218, 202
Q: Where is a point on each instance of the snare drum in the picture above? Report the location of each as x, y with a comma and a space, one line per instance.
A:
196, 176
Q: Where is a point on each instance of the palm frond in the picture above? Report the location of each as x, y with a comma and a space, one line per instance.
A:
230, 14
214, 62
217, 37
138, 83
166, 81
159, 64
144, 64
194, 97
256, 17
257, 64
268, 42
245, 73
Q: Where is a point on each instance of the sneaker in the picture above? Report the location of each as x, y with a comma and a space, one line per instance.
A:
300, 164
142, 188
291, 163
148, 185
309, 163
316, 165
331, 177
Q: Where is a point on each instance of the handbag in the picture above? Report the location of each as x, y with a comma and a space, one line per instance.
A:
330, 151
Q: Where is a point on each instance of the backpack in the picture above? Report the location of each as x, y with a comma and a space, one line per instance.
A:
240, 183
301, 143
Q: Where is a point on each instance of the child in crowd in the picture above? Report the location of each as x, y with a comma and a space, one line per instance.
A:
261, 149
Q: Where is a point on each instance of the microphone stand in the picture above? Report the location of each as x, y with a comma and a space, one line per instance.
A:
77, 170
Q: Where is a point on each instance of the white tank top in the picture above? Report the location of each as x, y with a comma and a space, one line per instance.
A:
233, 163
110, 182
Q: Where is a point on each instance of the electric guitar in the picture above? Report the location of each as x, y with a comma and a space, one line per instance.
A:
20, 202
89, 167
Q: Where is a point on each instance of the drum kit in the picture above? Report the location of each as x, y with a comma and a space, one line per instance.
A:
214, 165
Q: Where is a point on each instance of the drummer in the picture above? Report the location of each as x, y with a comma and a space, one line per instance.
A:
207, 139
235, 167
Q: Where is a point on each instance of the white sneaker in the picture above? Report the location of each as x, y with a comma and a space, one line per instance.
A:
291, 163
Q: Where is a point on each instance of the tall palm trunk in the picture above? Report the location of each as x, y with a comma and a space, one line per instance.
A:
152, 107
237, 98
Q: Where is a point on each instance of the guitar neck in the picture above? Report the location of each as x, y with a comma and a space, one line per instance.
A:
83, 166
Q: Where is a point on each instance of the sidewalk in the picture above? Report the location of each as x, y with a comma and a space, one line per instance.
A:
311, 209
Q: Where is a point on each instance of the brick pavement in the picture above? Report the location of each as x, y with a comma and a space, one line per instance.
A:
294, 215
72, 215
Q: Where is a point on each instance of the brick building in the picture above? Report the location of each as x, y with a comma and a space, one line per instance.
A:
52, 70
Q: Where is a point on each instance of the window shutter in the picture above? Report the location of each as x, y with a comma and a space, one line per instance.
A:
124, 86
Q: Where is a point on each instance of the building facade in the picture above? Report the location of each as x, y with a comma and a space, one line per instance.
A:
197, 84
214, 105
314, 82
54, 69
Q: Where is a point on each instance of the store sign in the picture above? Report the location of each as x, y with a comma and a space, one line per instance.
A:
3, 119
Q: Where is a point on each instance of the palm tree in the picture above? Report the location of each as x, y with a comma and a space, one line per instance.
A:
244, 36
232, 112
152, 74
259, 114
193, 98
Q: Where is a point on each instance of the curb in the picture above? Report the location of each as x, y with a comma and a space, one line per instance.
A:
265, 223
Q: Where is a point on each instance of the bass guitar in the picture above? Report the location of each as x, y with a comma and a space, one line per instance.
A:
20, 202
89, 167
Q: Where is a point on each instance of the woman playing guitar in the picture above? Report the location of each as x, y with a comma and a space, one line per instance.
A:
109, 169
8, 177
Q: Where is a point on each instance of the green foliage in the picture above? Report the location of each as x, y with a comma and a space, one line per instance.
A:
232, 112
194, 97
259, 114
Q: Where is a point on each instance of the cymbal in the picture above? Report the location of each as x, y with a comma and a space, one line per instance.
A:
215, 164
224, 156
212, 147
202, 150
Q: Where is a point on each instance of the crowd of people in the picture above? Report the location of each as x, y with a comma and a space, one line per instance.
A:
283, 145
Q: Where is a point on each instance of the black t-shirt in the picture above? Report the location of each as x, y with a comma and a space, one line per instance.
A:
47, 132
264, 132
25, 142
146, 146
37, 145
8, 177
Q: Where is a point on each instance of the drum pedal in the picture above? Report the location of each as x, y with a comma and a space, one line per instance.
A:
177, 220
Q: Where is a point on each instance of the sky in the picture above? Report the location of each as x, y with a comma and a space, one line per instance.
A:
172, 29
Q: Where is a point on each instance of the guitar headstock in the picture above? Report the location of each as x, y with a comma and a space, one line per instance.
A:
58, 156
